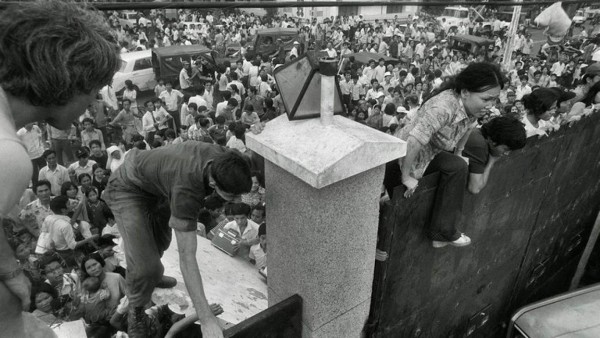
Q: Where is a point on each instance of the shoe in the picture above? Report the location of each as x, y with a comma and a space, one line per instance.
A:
463, 240
166, 282
137, 326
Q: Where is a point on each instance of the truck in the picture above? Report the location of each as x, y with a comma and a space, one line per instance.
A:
454, 15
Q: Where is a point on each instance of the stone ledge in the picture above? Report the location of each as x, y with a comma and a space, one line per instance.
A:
321, 154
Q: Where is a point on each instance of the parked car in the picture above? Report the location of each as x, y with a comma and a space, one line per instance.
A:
469, 43
266, 40
573, 314
579, 17
128, 18
137, 67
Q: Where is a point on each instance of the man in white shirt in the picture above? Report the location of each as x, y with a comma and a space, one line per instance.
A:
246, 228
82, 165
109, 97
31, 136
54, 173
61, 232
172, 99
380, 70
558, 67
184, 76
199, 98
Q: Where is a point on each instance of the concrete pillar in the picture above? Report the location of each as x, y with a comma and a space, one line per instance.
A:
323, 182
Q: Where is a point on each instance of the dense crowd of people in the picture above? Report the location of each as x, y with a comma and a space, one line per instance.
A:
448, 104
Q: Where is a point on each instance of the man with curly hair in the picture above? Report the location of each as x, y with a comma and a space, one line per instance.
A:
54, 58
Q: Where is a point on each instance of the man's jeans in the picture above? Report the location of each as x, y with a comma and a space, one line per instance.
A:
143, 223
449, 196
64, 151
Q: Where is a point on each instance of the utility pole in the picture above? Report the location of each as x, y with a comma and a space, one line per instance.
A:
512, 32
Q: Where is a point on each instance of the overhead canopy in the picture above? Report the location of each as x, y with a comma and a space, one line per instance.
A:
364, 57
180, 50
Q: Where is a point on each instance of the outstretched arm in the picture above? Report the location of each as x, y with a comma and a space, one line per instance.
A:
188, 244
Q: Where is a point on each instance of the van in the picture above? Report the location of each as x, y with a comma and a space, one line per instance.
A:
137, 67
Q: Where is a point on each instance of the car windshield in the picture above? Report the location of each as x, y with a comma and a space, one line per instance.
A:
123, 66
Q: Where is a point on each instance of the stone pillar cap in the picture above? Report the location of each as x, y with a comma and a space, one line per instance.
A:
321, 155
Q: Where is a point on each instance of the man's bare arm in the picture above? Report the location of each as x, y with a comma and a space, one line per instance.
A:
188, 244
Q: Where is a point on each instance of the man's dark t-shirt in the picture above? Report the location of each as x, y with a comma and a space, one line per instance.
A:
175, 172
478, 152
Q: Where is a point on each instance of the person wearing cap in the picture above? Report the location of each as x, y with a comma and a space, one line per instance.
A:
388, 82
83, 163
294, 50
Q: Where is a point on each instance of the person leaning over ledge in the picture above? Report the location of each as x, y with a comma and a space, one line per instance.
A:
487, 144
54, 58
436, 137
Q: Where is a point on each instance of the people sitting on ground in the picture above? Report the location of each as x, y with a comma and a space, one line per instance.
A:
258, 252
247, 229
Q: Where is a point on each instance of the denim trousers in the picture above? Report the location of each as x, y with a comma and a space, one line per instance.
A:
449, 195
143, 221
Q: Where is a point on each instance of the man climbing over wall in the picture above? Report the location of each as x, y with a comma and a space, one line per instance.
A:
155, 191
487, 144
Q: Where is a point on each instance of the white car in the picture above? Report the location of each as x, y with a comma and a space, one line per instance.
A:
128, 18
137, 67
579, 17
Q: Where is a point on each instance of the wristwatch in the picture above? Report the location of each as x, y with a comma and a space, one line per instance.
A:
10, 275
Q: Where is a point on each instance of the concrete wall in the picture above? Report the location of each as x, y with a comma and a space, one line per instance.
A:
528, 226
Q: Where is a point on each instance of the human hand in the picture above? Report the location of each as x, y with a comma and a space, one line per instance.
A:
380, 255
211, 328
411, 185
258, 128
20, 286
216, 309
123, 306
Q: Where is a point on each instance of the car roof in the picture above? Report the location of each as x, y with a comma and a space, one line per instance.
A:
136, 55
278, 31
178, 50
458, 8
472, 38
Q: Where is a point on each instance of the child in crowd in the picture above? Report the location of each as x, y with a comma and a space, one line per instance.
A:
258, 252
94, 301
98, 211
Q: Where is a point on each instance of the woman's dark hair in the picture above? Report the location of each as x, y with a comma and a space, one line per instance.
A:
241, 209
95, 256
591, 95
97, 166
42, 288
88, 191
82, 175
45, 45
231, 172
66, 187
390, 109
476, 78
539, 101
505, 130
